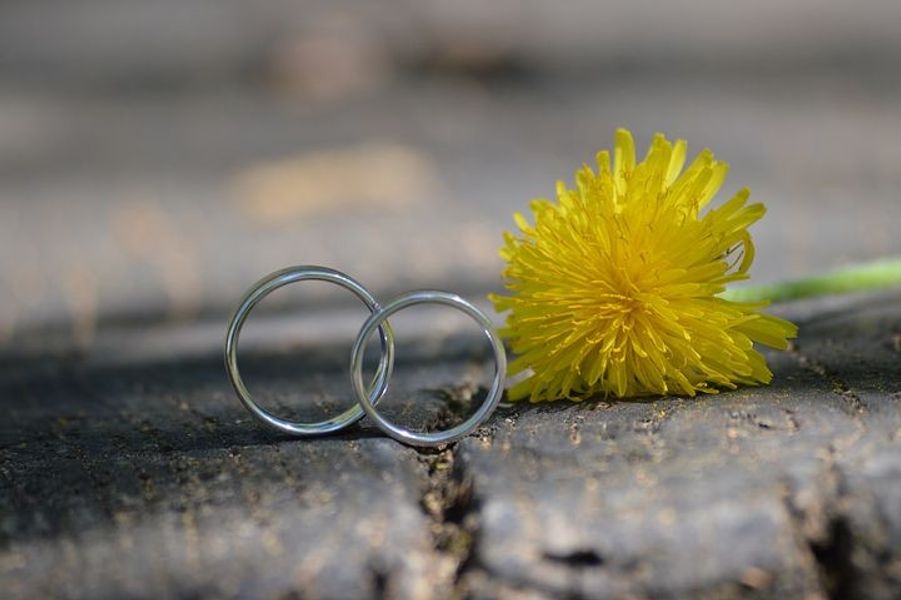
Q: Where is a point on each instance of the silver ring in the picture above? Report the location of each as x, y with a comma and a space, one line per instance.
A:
266, 286
402, 434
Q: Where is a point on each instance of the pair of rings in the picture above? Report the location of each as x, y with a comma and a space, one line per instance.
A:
367, 398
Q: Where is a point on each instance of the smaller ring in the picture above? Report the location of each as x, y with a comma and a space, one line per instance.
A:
408, 436
263, 288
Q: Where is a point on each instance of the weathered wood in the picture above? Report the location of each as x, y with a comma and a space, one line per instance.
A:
156, 160
127, 208
150, 480
110, 44
776, 490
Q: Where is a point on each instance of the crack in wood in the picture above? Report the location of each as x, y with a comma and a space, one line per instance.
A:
824, 532
856, 407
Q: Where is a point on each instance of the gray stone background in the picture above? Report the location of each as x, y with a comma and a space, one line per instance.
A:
156, 158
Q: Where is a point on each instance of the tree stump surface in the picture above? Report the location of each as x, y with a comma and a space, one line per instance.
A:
149, 479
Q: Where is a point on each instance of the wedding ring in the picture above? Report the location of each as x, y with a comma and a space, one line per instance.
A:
378, 318
266, 286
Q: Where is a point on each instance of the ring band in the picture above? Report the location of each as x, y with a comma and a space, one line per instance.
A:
380, 316
266, 286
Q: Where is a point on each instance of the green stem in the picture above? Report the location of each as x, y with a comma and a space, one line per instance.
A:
876, 275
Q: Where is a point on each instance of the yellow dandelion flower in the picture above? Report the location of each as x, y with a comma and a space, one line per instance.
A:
614, 289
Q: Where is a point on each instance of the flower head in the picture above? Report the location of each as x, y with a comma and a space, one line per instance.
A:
615, 288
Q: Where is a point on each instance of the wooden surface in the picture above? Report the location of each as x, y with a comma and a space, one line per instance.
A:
144, 477
156, 160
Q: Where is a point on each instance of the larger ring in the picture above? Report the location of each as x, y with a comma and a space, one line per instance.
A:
266, 286
408, 436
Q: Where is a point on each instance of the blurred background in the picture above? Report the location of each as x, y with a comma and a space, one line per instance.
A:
156, 158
